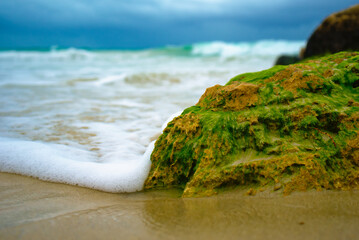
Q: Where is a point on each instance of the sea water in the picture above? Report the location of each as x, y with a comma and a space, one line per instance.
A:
90, 117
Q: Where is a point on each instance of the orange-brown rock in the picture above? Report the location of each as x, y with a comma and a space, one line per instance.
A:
232, 97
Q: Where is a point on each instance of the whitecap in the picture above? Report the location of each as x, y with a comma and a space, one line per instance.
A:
259, 48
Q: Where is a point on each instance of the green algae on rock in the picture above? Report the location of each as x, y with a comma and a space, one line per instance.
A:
287, 128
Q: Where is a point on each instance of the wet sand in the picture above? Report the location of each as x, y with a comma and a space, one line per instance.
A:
34, 209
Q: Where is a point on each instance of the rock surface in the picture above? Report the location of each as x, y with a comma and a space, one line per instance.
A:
287, 128
338, 32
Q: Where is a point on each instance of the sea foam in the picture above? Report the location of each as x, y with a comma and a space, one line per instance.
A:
245, 49
55, 163
52, 55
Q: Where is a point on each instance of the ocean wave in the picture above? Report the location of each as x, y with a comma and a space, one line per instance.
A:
205, 49
259, 48
52, 54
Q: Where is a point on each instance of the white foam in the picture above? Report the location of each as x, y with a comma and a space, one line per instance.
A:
109, 79
116, 144
260, 48
58, 164
53, 54
129, 103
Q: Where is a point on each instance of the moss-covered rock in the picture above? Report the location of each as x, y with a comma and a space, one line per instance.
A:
286, 128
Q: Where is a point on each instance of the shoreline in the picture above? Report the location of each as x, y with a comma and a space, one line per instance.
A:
34, 209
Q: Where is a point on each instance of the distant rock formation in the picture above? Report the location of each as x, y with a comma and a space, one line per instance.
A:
338, 32
288, 128
287, 59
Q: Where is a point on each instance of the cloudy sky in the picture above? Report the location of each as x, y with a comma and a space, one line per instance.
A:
153, 23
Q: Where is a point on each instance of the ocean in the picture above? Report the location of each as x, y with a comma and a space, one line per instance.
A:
90, 117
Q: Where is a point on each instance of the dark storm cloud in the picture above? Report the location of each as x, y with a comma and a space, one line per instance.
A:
148, 23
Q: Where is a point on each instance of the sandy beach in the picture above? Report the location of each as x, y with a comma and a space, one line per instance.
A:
34, 209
